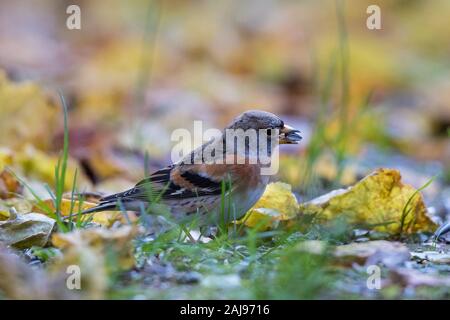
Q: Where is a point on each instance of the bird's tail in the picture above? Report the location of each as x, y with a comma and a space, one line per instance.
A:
114, 202
101, 207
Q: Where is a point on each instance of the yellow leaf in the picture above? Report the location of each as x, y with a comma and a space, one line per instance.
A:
20, 205
26, 114
278, 203
6, 158
4, 212
379, 200
42, 166
105, 218
65, 208
34, 163
105, 165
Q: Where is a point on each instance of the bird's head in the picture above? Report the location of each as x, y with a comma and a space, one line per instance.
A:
262, 120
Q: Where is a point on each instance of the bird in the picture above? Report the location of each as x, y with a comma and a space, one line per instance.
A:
217, 182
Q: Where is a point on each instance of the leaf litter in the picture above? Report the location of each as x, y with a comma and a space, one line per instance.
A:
368, 219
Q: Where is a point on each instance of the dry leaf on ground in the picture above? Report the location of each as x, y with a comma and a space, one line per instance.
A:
105, 218
41, 165
387, 253
17, 124
9, 185
380, 200
6, 157
277, 204
24, 231
414, 278
28, 161
20, 205
4, 212
390, 254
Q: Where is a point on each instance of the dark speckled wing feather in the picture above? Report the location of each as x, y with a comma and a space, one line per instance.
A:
159, 185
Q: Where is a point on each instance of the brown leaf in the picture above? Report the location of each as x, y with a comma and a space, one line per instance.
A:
9, 185
414, 278
388, 253
373, 252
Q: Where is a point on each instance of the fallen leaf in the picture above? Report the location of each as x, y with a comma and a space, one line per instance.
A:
379, 201
34, 164
19, 205
9, 185
375, 252
414, 278
38, 164
6, 157
277, 203
106, 164
390, 254
105, 218
4, 212
26, 230
20, 126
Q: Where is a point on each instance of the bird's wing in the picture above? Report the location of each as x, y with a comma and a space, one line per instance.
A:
176, 182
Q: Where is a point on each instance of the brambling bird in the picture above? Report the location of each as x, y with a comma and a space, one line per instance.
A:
197, 185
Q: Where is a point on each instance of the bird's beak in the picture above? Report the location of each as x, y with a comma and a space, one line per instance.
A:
289, 135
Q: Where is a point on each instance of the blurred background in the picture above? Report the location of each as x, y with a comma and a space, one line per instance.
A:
136, 71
